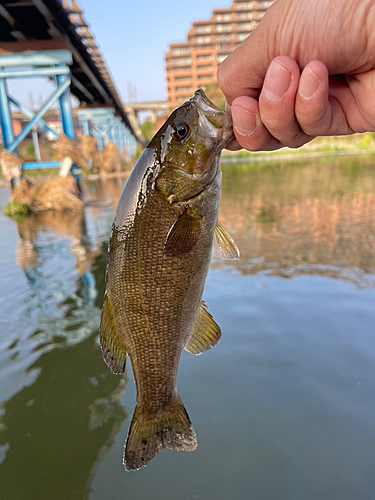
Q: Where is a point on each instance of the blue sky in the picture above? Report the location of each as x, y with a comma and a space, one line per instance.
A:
133, 36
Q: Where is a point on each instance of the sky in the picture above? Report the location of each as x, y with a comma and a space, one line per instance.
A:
132, 37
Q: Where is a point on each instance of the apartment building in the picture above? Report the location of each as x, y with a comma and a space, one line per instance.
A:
194, 62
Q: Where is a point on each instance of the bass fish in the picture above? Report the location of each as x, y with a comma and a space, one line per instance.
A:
159, 253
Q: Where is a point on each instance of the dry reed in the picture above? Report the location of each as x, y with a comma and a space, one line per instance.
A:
10, 164
54, 193
66, 147
88, 145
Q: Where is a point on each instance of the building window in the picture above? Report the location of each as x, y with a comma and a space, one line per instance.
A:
204, 77
179, 78
181, 68
180, 51
204, 57
203, 29
223, 47
221, 57
204, 67
183, 89
223, 27
242, 36
247, 26
223, 17
181, 61
245, 5
245, 15
203, 39
224, 38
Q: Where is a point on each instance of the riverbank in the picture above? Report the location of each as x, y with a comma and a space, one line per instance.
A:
253, 157
320, 147
356, 144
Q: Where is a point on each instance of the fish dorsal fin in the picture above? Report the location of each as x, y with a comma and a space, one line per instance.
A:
183, 235
224, 246
113, 349
206, 333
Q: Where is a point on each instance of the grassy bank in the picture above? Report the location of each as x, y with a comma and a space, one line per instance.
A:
320, 146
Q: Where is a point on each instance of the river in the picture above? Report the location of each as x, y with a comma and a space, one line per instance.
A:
283, 407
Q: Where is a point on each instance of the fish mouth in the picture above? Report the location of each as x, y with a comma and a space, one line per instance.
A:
214, 118
203, 102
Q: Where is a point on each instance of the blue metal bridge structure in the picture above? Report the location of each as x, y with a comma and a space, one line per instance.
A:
51, 39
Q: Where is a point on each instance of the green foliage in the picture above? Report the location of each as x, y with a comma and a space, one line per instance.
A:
148, 130
14, 208
215, 95
30, 150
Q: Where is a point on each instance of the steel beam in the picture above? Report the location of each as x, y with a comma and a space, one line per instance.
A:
32, 165
35, 72
65, 107
5, 116
29, 114
38, 115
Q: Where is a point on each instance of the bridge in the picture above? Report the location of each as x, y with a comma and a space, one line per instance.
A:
153, 107
51, 38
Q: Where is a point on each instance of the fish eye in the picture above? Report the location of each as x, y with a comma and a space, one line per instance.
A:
180, 131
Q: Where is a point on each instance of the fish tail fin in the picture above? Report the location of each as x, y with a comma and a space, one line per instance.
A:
149, 435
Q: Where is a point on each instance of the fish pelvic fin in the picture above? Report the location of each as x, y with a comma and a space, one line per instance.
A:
205, 334
113, 349
224, 246
148, 435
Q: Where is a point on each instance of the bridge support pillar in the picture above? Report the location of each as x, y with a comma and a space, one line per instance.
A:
5, 116
153, 116
103, 124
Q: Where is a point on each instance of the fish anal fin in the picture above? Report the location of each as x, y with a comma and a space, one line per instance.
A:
148, 435
206, 333
183, 235
224, 246
113, 349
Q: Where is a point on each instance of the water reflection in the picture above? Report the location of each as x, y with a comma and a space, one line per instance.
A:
63, 419
303, 218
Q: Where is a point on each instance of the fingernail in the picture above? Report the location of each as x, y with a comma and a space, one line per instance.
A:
308, 84
244, 121
277, 82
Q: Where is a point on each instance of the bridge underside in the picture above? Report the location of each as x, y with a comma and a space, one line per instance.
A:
52, 25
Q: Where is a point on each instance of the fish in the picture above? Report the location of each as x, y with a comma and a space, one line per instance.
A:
164, 233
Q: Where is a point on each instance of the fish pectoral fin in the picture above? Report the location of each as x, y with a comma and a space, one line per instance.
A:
224, 246
113, 349
206, 333
148, 435
183, 235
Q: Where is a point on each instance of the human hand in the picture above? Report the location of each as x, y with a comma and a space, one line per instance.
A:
308, 69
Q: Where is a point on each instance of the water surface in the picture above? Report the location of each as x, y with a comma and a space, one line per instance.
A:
284, 406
